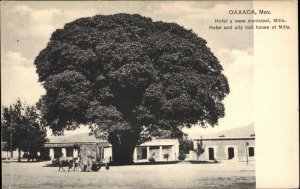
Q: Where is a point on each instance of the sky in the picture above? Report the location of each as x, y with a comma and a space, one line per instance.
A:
26, 28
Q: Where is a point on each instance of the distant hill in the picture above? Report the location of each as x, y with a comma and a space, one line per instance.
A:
244, 131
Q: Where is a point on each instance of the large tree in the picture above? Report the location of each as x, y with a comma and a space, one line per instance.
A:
125, 75
21, 128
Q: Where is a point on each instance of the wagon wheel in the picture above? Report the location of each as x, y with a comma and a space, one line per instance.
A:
81, 165
88, 167
89, 164
85, 166
96, 167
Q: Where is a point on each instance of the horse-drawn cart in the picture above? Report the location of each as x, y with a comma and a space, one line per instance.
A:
91, 157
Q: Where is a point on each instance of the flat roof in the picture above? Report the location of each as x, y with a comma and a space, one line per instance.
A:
225, 138
75, 138
71, 144
160, 142
70, 141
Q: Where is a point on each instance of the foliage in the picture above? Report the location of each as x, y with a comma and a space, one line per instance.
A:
158, 133
125, 75
182, 156
21, 128
200, 149
185, 146
151, 160
166, 156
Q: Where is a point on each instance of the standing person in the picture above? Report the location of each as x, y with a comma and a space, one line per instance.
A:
76, 164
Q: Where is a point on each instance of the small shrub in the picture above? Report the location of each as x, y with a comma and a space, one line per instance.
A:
151, 160
200, 149
166, 156
181, 156
25, 155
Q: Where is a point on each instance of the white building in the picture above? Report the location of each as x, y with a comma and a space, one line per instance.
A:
159, 150
66, 146
235, 144
226, 148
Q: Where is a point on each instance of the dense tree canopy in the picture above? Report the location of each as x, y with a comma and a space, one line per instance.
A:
21, 128
125, 74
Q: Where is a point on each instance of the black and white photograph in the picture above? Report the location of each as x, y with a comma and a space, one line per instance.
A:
149, 94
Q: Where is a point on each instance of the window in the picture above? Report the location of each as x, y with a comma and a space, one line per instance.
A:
57, 152
69, 152
251, 151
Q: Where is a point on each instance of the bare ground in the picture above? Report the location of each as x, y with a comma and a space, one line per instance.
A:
228, 174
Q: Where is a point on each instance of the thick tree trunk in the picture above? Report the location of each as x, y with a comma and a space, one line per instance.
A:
123, 148
122, 155
19, 158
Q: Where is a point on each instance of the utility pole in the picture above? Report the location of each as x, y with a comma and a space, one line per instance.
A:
247, 143
11, 151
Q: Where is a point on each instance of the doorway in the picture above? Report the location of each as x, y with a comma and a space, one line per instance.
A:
211, 154
69, 152
144, 153
57, 152
230, 153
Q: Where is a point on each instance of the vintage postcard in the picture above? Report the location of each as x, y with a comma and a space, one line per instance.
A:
149, 94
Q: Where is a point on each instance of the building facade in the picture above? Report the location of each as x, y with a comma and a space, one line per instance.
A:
159, 150
226, 148
68, 146
55, 150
